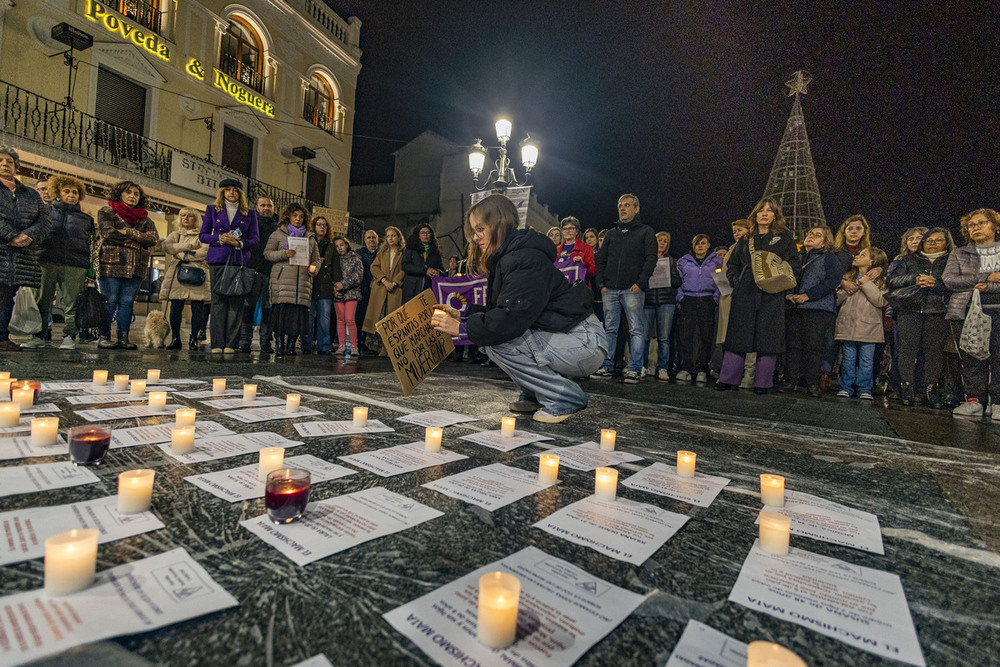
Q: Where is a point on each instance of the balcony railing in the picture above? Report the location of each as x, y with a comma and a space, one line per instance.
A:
330, 124
143, 12
241, 72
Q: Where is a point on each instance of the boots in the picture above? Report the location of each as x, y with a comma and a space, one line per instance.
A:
124, 343
105, 343
906, 393
290, 346
279, 345
193, 343
175, 343
932, 397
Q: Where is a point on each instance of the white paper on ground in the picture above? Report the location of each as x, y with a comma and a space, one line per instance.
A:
117, 397
234, 403
315, 661
41, 407
564, 611
589, 456
224, 446
42, 477
88, 386
494, 440
23, 424
243, 484
339, 523
491, 486
703, 645
439, 418
126, 412
21, 448
209, 393
157, 433
316, 429
400, 459
622, 529
831, 522
254, 415
23, 532
860, 606
663, 480
140, 596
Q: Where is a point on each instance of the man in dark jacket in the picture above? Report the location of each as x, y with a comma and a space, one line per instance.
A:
624, 264
267, 222
367, 254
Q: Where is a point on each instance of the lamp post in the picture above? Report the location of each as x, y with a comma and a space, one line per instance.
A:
502, 175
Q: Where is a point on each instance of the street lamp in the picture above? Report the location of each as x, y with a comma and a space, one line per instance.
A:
502, 175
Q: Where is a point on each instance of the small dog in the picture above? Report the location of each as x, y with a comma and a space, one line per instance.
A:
157, 329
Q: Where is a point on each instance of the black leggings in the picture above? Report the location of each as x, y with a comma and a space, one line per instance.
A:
198, 315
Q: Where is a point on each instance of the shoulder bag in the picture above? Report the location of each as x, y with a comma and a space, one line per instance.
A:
771, 273
233, 279
190, 275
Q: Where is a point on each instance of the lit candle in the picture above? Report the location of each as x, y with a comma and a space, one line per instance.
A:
121, 382
685, 463
135, 491
157, 400
766, 654
312, 268
774, 530
360, 417
185, 416
138, 388
439, 313
4, 375
432, 438
608, 437
249, 392
507, 425
10, 413
153, 375
606, 483
548, 468
772, 490
499, 595
271, 459
100, 378
182, 439
25, 396
219, 386
6, 386
44, 431
292, 402
70, 561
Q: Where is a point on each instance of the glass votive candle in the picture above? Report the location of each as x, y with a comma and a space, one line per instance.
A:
249, 392
100, 378
219, 386
88, 444
152, 375
507, 426
499, 597
135, 491
6, 386
774, 532
432, 438
548, 468
44, 431
766, 654
121, 383
292, 402
772, 490
184, 416
70, 561
606, 483
608, 437
360, 417
158, 400
286, 494
25, 396
182, 439
34, 385
138, 388
10, 413
685, 463
269, 459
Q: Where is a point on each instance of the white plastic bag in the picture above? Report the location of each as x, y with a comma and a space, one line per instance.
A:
975, 338
25, 319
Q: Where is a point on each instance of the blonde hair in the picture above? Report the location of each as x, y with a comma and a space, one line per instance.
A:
499, 215
664, 235
904, 248
188, 210
399, 235
220, 201
57, 183
840, 243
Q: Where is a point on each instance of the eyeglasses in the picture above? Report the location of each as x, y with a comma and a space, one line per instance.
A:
982, 223
934, 241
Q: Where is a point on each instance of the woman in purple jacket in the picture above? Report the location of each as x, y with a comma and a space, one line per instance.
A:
697, 299
230, 231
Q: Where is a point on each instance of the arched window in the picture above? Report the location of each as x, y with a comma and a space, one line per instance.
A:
241, 54
143, 12
322, 107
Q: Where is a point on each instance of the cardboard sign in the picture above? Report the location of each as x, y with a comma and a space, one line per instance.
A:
335, 217
413, 345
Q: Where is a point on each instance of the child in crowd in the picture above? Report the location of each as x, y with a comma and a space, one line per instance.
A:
859, 323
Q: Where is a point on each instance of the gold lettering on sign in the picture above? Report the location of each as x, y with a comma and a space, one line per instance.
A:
241, 94
132, 32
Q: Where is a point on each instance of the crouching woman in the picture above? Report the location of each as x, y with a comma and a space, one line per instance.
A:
535, 326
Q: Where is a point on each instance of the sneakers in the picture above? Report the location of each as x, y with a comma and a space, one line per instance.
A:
643, 373
683, 376
216, 350
865, 396
549, 418
525, 406
601, 374
843, 393
631, 377
971, 408
33, 343
995, 412
702, 378
228, 350
650, 372
67, 343
662, 375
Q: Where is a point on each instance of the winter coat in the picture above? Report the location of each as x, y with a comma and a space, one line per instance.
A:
725, 302
265, 227
69, 241
177, 248
22, 212
352, 272
123, 249
323, 280
658, 296
289, 283
367, 257
525, 291
756, 318
818, 279
904, 272
583, 251
961, 274
380, 297
860, 316
698, 279
216, 223
627, 257
415, 267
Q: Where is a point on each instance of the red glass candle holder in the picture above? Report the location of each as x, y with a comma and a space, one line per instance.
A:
286, 494
88, 444
29, 384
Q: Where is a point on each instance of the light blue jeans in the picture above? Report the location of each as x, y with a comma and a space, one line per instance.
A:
856, 365
616, 300
120, 293
537, 362
663, 317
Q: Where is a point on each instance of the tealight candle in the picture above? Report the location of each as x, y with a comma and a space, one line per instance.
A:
548, 468
4, 375
138, 388
432, 438
360, 417
772, 490
608, 437
271, 459
219, 386
185, 416
135, 491
6, 386
292, 402
100, 378
44, 431
499, 596
312, 268
685, 463
507, 425
606, 483
438, 313
249, 392
766, 654
157, 400
182, 439
774, 531
25, 396
10, 413
121, 382
153, 375
34, 385
70, 561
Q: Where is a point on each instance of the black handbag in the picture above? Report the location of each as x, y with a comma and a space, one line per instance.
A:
233, 279
908, 298
190, 275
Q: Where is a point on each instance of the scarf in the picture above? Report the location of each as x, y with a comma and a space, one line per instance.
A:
295, 232
427, 250
10, 185
934, 255
127, 213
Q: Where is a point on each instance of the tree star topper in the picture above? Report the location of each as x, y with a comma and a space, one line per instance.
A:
798, 83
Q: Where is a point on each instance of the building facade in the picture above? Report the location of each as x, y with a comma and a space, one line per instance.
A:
178, 94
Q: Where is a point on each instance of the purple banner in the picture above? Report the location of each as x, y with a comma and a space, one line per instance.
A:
573, 271
460, 292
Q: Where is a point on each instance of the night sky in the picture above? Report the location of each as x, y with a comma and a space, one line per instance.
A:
684, 103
